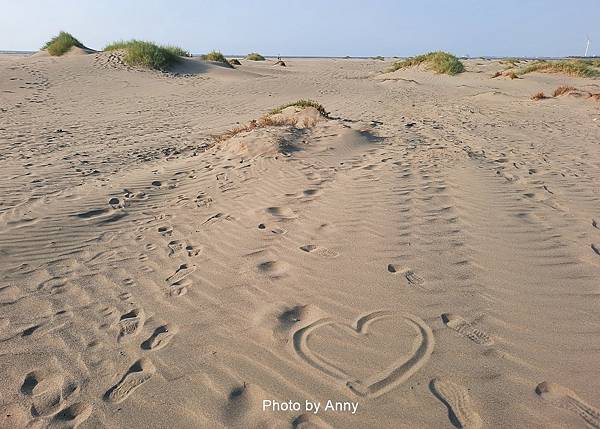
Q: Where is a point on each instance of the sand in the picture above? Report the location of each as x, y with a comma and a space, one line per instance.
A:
428, 254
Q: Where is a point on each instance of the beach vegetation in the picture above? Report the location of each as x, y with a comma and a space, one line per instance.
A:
216, 56
254, 56
302, 104
439, 62
538, 96
62, 43
579, 68
147, 54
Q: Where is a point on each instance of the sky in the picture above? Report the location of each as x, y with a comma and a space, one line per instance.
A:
314, 28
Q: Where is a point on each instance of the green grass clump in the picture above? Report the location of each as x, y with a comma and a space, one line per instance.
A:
580, 68
253, 56
216, 56
60, 44
148, 54
439, 62
303, 104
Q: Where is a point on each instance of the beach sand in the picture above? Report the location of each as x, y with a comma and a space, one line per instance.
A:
429, 252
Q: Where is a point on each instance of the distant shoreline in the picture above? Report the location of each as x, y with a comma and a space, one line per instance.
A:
317, 57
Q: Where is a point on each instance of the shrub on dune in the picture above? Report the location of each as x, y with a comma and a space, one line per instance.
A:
538, 96
580, 68
216, 56
148, 54
272, 119
439, 62
254, 56
61, 44
563, 89
302, 104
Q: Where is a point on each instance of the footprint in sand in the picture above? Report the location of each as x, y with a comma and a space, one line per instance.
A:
461, 412
175, 246
165, 231
243, 403
563, 397
140, 372
409, 274
72, 416
47, 390
193, 250
320, 251
282, 213
130, 324
182, 272
180, 288
273, 269
160, 337
466, 329
309, 421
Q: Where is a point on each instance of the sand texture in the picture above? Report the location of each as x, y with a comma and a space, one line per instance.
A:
430, 250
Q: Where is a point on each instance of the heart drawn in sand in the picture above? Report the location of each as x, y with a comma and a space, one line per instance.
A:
379, 382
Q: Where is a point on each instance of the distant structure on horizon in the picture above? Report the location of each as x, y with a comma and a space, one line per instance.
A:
587, 46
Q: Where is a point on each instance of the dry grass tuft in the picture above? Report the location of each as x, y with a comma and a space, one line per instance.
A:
272, 120
538, 96
235, 62
563, 89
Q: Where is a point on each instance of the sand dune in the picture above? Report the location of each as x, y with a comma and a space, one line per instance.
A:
429, 251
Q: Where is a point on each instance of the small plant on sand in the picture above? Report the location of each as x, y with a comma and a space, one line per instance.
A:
563, 89
538, 96
148, 54
235, 62
272, 120
61, 44
580, 68
439, 62
216, 56
254, 56
302, 104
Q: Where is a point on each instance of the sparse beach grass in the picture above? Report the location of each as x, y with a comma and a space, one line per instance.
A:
271, 120
61, 44
254, 56
538, 96
439, 62
216, 56
579, 68
148, 54
563, 89
303, 104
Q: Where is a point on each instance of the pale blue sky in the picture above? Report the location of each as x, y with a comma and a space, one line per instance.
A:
311, 27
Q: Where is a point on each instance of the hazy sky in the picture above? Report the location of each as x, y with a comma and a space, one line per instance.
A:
311, 27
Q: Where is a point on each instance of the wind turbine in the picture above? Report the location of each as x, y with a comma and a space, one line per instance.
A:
587, 46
